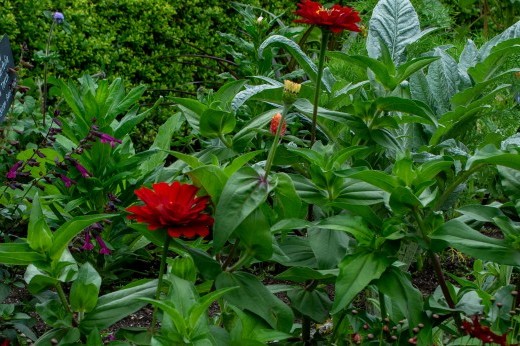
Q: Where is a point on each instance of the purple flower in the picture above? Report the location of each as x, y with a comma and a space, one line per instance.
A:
58, 17
104, 249
66, 180
82, 170
104, 138
14, 170
87, 246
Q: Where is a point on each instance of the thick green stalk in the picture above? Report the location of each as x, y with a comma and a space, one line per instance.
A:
63, 298
324, 41
162, 269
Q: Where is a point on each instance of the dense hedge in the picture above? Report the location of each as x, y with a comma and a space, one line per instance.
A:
143, 41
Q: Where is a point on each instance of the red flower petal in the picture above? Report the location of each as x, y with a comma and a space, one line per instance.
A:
336, 19
174, 207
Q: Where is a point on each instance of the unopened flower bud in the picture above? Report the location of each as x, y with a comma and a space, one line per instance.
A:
290, 91
275, 122
58, 17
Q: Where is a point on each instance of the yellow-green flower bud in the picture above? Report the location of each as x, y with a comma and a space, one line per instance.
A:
290, 91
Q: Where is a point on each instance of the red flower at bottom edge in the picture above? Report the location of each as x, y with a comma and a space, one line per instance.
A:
5, 342
483, 333
174, 207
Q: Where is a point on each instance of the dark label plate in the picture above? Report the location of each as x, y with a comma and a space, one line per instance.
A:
7, 77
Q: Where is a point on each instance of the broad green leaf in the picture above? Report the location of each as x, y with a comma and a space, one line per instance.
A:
244, 192
297, 53
128, 101
39, 235
204, 302
397, 285
131, 120
255, 234
226, 94
19, 254
66, 232
287, 204
314, 303
329, 246
499, 56
380, 70
251, 91
247, 133
410, 67
191, 109
395, 24
211, 178
215, 123
295, 251
413, 107
162, 142
169, 308
240, 161
355, 274
302, 274
460, 236
380, 179
117, 305
491, 155
352, 225
510, 33
443, 80
190, 160
85, 289
252, 295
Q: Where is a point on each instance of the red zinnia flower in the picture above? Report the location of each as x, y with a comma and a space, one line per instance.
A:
173, 207
4, 342
483, 333
336, 19
275, 122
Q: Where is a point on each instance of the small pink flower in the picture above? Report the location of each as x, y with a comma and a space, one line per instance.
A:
66, 180
82, 170
87, 246
104, 138
104, 249
14, 170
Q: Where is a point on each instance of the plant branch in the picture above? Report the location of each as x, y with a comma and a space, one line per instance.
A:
324, 39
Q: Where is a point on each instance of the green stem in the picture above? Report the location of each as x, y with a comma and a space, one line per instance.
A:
63, 298
324, 40
243, 259
45, 73
224, 140
382, 305
162, 269
276, 141
437, 267
459, 180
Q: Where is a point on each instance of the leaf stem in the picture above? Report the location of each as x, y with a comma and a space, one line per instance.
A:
63, 298
162, 269
324, 40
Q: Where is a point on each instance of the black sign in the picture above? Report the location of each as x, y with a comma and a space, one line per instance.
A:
7, 77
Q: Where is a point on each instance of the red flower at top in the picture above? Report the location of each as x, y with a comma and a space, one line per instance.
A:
173, 207
483, 333
336, 19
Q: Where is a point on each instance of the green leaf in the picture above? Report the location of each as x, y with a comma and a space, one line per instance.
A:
422, 112
395, 24
251, 91
294, 49
397, 285
491, 155
215, 123
295, 251
329, 246
355, 274
85, 289
493, 62
117, 305
443, 79
240, 161
353, 225
287, 203
244, 192
302, 274
252, 295
211, 178
314, 304
66, 232
255, 234
204, 302
162, 141
382, 180
410, 67
192, 110
94, 338
510, 33
39, 235
19, 254
460, 236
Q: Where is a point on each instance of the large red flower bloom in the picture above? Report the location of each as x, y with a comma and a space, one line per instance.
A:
336, 19
173, 207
